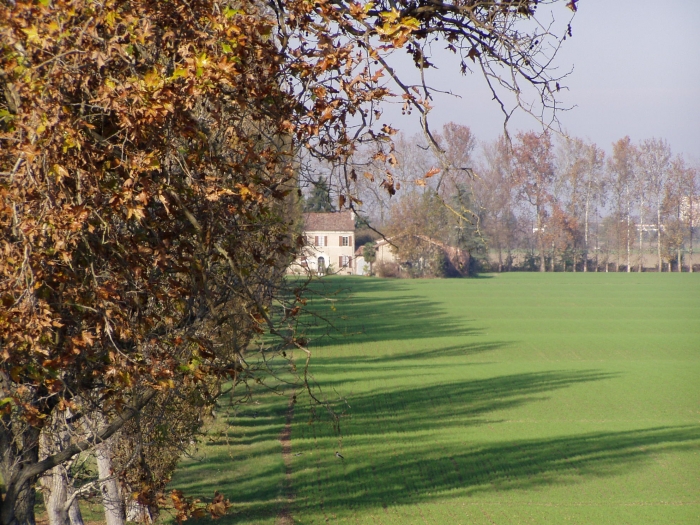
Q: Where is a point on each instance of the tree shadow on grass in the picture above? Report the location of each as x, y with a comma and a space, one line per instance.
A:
339, 370
408, 358
442, 405
395, 459
429, 406
420, 470
361, 310
411, 465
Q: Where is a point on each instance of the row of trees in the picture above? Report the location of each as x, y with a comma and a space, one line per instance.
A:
144, 191
541, 203
149, 156
586, 210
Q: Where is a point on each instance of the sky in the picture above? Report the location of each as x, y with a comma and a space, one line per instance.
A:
635, 71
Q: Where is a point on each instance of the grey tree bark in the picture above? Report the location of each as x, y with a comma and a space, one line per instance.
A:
109, 487
18, 448
20, 466
59, 493
691, 218
629, 234
641, 231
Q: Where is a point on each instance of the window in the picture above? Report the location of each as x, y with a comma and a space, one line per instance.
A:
345, 240
321, 240
344, 261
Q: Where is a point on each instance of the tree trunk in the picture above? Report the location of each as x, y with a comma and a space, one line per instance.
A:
74, 514
55, 485
539, 240
641, 234
136, 512
59, 494
597, 249
629, 213
658, 232
585, 234
18, 503
17, 507
690, 251
24, 506
111, 498
691, 218
552, 263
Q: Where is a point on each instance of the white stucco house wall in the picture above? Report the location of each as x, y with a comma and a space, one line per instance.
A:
385, 251
330, 244
360, 265
384, 254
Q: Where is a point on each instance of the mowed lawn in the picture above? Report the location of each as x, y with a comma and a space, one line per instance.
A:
513, 398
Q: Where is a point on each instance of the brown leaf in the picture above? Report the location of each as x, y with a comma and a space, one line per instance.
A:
432, 172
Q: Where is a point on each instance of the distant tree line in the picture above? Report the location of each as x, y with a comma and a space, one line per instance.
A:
540, 202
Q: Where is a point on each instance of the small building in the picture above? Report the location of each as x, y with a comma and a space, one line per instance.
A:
330, 244
384, 254
385, 251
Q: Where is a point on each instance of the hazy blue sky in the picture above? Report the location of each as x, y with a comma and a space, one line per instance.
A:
636, 72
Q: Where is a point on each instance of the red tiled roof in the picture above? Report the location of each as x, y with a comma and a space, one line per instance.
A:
332, 222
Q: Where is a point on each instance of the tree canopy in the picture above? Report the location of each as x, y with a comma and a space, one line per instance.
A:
320, 198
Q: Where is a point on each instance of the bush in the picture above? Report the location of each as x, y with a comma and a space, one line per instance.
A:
386, 269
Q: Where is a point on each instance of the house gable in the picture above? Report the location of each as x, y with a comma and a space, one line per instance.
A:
330, 239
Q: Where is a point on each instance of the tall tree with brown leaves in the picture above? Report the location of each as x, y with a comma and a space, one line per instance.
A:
534, 175
621, 172
654, 164
142, 212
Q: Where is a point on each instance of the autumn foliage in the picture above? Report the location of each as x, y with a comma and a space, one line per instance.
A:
144, 177
147, 173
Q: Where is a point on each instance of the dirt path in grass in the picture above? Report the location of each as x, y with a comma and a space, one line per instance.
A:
284, 516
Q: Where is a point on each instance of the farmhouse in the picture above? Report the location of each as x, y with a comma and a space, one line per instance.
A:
330, 243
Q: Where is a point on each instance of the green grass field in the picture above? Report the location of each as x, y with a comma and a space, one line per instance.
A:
516, 398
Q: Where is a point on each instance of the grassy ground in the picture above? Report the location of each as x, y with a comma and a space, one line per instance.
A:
519, 398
